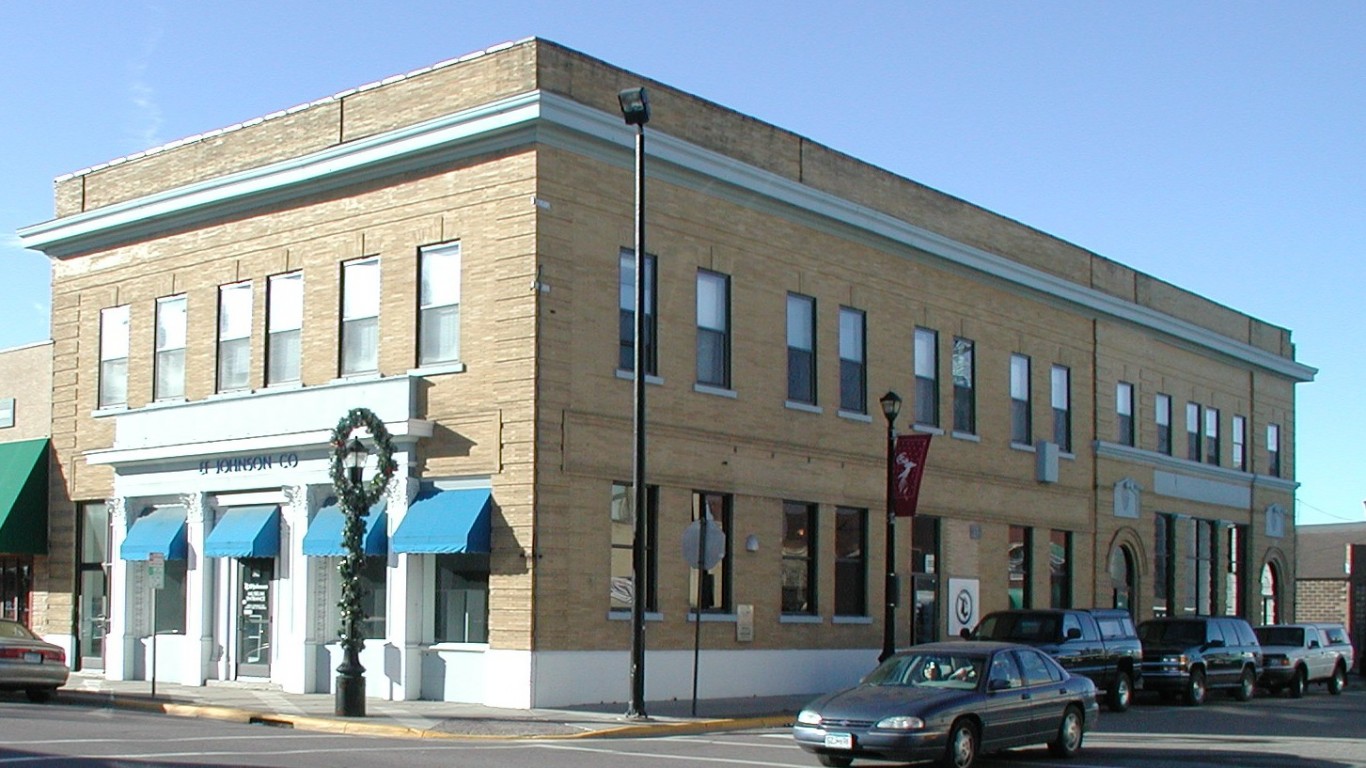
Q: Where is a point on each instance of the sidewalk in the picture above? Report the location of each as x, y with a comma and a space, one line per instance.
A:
268, 705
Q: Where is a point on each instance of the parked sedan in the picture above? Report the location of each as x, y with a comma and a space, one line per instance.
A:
29, 663
950, 702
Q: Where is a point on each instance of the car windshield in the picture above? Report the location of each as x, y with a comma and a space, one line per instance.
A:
15, 631
1030, 627
1174, 632
928, 670
1280, 635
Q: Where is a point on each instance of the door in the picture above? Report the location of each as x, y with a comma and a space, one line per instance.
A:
254, 617
93, 617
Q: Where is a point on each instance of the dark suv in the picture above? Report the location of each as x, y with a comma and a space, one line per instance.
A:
1192, 655
1099, 643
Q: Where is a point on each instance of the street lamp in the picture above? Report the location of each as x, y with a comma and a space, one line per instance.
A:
635, 109
891, 406
356, 496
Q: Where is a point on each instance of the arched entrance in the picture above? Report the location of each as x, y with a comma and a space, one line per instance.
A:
1123, 578
1271, 590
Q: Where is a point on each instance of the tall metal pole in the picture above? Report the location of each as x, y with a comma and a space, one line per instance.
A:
890, 588
636, 708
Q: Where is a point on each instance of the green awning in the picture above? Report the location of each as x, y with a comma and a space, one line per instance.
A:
23, 497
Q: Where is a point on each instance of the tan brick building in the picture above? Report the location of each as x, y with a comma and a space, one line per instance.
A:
452, 249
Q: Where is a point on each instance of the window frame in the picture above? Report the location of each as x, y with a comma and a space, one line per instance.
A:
284, 323
626, 312
719, 337
1060, 581
801, 360
623, 496
853, 370
1238, 439
1213, 444
1124, 413
851, 569
926, 369
436, 265
964, 374
1194, 430
1021, 400
166, 345
1162, 418
1060, 387
355, 320
114, 345
723, 593
1273, 450
804, 560
1023, 536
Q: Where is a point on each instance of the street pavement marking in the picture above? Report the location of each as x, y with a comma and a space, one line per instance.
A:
695, 759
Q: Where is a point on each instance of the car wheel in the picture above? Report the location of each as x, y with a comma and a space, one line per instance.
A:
1068, 741
1338, 681
962, 749
1121, 693
1195, 688
1247, 685
835, 761
1298, 682
40, 695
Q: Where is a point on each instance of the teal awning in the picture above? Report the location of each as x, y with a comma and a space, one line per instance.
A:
245, 532
23, 497
324, 536
446, 522
161, 530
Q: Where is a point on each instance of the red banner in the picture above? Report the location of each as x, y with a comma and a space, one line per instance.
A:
908, 464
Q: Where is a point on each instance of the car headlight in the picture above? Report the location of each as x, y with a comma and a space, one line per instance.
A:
1179, 660
901, 723
807, 717
1278, 661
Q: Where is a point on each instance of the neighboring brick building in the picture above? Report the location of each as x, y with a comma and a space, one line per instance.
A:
451, 249
1330, 576
25, 418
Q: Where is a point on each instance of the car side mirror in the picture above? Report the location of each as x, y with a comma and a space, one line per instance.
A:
1313, 644
1073, 633
1215, 644
965, 633
997, 684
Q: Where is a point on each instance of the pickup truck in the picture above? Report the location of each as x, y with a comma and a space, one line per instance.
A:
1296, 655
1098, 643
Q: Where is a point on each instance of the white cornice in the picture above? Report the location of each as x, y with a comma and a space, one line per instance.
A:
558, 121
1192, 468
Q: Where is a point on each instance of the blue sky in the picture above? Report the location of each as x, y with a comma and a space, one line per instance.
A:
1220, 146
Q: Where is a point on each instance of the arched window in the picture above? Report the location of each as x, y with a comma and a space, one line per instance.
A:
1271, 587
1123, 578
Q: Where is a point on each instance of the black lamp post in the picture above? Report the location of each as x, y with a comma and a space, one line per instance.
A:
891, 406
635, 109
350, 701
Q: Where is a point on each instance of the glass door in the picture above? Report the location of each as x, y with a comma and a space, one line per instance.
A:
254, 619
93, 617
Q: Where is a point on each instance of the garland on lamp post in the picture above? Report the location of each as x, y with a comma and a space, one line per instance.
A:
356, 499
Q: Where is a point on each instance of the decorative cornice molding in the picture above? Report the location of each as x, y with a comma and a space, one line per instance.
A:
1193, 468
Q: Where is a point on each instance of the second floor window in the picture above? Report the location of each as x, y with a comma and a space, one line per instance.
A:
799, 558
1021, 431
926, 377
801, 349
713, 329
1212, 443
1124, 413
1240, 443
1062, 407
1273, 450
1193, 431
234, 337
169, 382
853, 372
284, 326
360, 317
439, 305
113, 357
964, 387
626, 314
1163, 417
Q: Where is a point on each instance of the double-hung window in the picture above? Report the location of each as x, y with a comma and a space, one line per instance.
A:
1162, 414
1193, 431
853, 353
284, 327
626, 314
1124, 413
360, 317
113, 357
801, 349
1273, 450
169, 382
964, 387
234, 336
927, 377
713, 329
1239, 429
799, 558
1021, 429
623, 575
1212, 442
438, 324
1061, 378
851, 561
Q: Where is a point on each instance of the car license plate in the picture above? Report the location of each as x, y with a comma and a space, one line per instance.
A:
839, 740
33, 658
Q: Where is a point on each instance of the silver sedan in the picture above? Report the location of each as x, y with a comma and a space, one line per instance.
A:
29, 663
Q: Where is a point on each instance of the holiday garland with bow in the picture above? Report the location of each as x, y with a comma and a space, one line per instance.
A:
355, 500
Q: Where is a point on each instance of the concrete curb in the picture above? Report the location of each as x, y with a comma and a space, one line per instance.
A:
363, 727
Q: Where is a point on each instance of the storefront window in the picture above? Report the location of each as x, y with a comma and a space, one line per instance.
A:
170, 600
462, 599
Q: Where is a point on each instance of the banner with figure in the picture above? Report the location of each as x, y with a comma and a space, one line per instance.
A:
908, 464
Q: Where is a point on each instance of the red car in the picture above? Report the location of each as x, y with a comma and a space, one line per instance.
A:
29, 663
